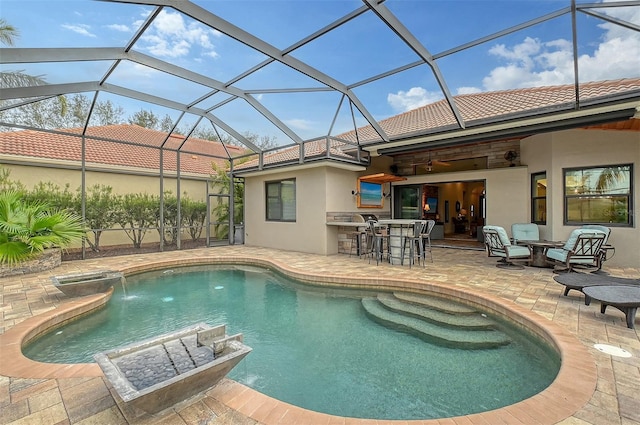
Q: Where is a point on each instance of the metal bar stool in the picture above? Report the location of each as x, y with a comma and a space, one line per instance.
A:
357, 237
414, 239
376, 239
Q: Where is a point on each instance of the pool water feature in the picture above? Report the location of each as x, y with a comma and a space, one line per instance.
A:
311, 346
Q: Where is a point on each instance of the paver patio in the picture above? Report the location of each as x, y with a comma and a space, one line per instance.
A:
82, 396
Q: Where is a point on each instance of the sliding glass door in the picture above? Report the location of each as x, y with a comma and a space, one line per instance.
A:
408, 202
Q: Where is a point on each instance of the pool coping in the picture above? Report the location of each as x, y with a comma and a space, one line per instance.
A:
572, 388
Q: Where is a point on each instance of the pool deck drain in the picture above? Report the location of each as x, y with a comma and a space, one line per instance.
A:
33, 393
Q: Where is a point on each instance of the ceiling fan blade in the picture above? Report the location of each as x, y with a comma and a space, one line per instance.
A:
443, 163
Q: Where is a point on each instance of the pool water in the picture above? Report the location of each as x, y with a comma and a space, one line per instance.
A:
312, 348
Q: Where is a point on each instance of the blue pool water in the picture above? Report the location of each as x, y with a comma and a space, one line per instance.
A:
313, 348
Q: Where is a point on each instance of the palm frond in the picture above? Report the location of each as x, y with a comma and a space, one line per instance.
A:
14, 252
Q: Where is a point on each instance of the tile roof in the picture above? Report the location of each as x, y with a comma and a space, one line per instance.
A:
39, 144
492, 106
473, 107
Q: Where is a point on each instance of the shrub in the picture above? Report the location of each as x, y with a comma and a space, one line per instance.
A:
28, 228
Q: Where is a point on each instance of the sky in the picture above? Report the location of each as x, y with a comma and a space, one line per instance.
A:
364, 47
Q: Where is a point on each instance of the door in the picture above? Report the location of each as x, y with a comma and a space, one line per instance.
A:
218, 219
225, 214
408, 202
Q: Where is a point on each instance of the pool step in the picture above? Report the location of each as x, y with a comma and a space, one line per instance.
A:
441, 335
436, 316
436, 303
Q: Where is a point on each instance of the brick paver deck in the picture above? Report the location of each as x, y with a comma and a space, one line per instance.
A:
592, 388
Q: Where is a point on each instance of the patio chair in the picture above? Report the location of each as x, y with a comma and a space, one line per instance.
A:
497, 244
582, 249
524, 232
608, 250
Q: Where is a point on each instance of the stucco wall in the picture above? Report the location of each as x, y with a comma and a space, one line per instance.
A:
309, 232
122, 182
582, 148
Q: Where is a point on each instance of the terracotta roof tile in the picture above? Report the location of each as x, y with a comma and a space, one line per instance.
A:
38, 144
472, 107
491, 105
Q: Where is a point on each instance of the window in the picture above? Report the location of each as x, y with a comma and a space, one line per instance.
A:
281, 200
600, 195
539, 198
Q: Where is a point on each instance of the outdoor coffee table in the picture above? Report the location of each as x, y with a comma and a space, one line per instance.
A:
539, 251
579, 281
624, 298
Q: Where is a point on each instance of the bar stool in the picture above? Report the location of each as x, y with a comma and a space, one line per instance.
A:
356, 241
426, 240
413, 239
376, 239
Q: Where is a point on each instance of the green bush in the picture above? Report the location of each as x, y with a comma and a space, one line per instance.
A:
28, 228
137, 213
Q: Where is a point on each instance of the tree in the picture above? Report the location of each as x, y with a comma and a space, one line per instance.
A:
11, 79
28, 228
136, 214
101, 211
8, 33
194, 214
166, 124
106, 113
170, 218
145, 119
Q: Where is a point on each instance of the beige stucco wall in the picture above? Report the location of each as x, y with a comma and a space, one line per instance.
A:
122, 181
325, 189
309, 232
583, 148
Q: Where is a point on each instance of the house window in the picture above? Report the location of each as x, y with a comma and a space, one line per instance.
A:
600, 195
539, 198
281, 200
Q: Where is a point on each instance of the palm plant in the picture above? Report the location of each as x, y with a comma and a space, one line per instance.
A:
27, 229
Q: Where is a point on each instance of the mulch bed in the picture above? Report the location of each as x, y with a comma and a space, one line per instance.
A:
129, 249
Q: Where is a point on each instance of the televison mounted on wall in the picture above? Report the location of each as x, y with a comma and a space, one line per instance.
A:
370, 195
370, 191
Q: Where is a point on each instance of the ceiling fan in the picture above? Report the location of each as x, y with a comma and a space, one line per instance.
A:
430, 163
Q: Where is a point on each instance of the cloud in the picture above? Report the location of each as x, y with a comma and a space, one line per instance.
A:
535, 63
413, 98
119, 27
468, 90
300, 124
79, 28
170, 36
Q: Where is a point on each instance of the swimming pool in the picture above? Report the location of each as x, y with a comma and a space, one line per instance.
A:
311, 347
